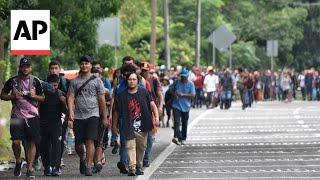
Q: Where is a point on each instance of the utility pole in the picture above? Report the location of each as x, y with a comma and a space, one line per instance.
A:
198, 33
153, 31
166, 33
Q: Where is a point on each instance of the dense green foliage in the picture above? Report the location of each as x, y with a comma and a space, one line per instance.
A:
294, 23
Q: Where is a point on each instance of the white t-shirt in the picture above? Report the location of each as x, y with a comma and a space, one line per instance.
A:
301, 80
211, 81
164, 90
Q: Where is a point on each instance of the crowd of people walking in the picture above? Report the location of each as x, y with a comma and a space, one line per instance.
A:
126, 108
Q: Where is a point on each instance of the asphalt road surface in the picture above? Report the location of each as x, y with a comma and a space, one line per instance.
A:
271, 140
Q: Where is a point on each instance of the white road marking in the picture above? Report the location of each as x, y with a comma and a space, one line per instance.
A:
160, 159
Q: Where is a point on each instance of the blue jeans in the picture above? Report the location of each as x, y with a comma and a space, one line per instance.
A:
150, 140
250, 94
183, 117
226, 95
226, 98
198, 98
123, 149
245, 99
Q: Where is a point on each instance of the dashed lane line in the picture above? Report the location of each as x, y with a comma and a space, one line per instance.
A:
160, 159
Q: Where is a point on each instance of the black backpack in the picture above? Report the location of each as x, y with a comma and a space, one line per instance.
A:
250, 83
169, 96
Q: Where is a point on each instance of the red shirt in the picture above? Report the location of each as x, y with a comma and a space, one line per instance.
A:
198, 83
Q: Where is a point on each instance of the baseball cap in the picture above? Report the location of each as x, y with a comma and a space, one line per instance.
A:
145, 66
209, 68
184, 73
162, 67
86, 58
25, 61
61, 71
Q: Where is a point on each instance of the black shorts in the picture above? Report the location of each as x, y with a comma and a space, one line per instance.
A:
86, 129
103, 138
28, 129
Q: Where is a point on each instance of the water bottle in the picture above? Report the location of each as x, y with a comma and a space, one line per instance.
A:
70, 142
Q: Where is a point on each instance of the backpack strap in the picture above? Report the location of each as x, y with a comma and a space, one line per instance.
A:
59, 92
31, 81
83, 85
104, 80
19, 81
64, 83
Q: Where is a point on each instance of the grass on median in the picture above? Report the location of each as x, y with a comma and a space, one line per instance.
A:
5, 142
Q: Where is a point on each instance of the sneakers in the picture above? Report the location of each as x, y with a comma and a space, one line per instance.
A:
37, 164
139, 171
83, 167
62, 163
115, 148
112, 143
88, 172
97, 167
146, 164
30, 175
131, 173
55, 171
176, 141
47, 171
17, 169
122, 168
183, 142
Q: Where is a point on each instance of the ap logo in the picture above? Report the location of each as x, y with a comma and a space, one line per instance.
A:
30, 32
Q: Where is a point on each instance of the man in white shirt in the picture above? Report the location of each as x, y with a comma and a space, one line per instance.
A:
301, 81
211, 82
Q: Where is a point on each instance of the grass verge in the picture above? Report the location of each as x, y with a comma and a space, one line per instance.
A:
5, 142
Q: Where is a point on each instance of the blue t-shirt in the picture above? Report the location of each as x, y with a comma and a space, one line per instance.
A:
183, 103
106, 83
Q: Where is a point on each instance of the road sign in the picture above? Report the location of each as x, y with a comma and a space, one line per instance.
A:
272, 48
222, 38
109, 31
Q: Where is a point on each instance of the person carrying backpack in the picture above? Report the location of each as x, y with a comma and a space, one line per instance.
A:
51, 126
25, 92
106, 81
86, 99
55, 68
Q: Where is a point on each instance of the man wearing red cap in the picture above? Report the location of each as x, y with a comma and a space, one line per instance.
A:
198, 83
156, 92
